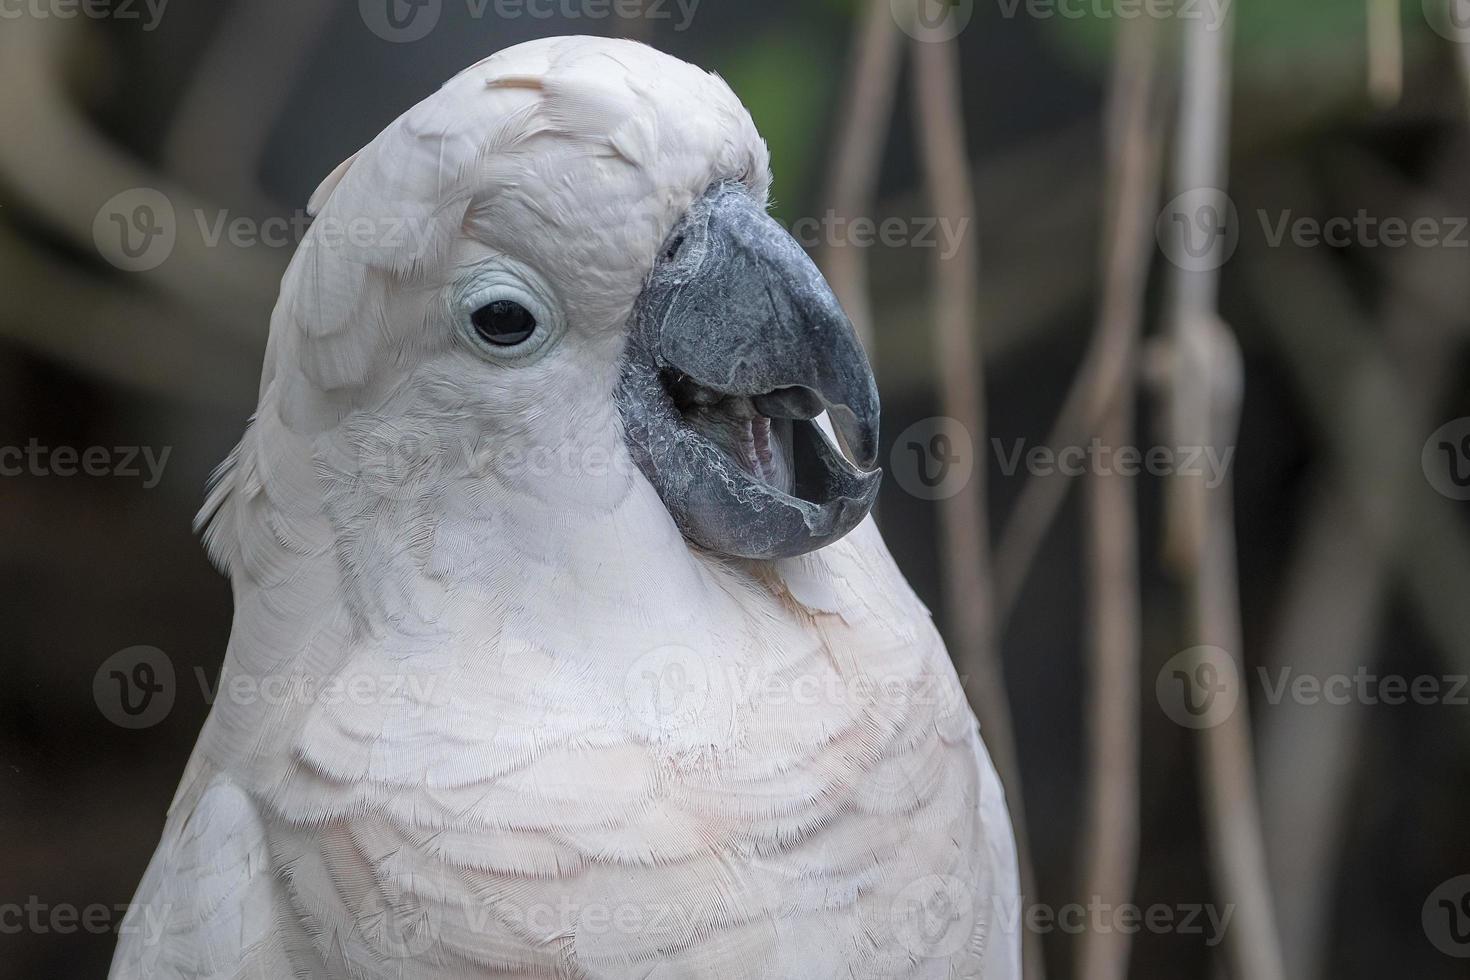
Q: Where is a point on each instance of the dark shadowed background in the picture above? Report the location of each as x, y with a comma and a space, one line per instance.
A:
127, 373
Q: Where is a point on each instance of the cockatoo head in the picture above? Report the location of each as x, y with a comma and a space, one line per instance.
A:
558, 272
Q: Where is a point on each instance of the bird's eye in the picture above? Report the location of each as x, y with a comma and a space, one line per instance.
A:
504, 323
503, 311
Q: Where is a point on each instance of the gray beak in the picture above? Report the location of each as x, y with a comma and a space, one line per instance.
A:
736, 345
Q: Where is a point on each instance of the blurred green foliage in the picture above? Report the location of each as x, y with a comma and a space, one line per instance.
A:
1271, 36
788, 84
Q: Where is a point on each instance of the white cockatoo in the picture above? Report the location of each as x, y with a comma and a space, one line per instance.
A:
563, 646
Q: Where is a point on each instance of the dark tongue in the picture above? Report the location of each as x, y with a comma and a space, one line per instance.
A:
789, 403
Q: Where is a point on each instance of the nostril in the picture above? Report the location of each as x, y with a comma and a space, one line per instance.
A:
674, 246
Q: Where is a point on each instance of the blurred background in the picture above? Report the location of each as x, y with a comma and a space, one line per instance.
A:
1169, 304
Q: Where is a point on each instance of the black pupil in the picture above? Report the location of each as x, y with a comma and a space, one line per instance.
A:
504, 322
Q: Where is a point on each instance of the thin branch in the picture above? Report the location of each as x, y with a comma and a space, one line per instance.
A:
965, 539
1104, 371
1107, 369
1337, 591
852, 176
1385, 52
1462, 61
1206, 388
1367, 427
60, 175
1335, 607
1110, 832
143, 341
66, 169
228, 84
1035, 200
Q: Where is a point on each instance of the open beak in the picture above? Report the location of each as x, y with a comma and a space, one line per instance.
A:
737, 345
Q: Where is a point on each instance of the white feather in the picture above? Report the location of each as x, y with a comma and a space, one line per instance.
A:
487, 712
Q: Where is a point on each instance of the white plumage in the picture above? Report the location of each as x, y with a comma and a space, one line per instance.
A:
484, 710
